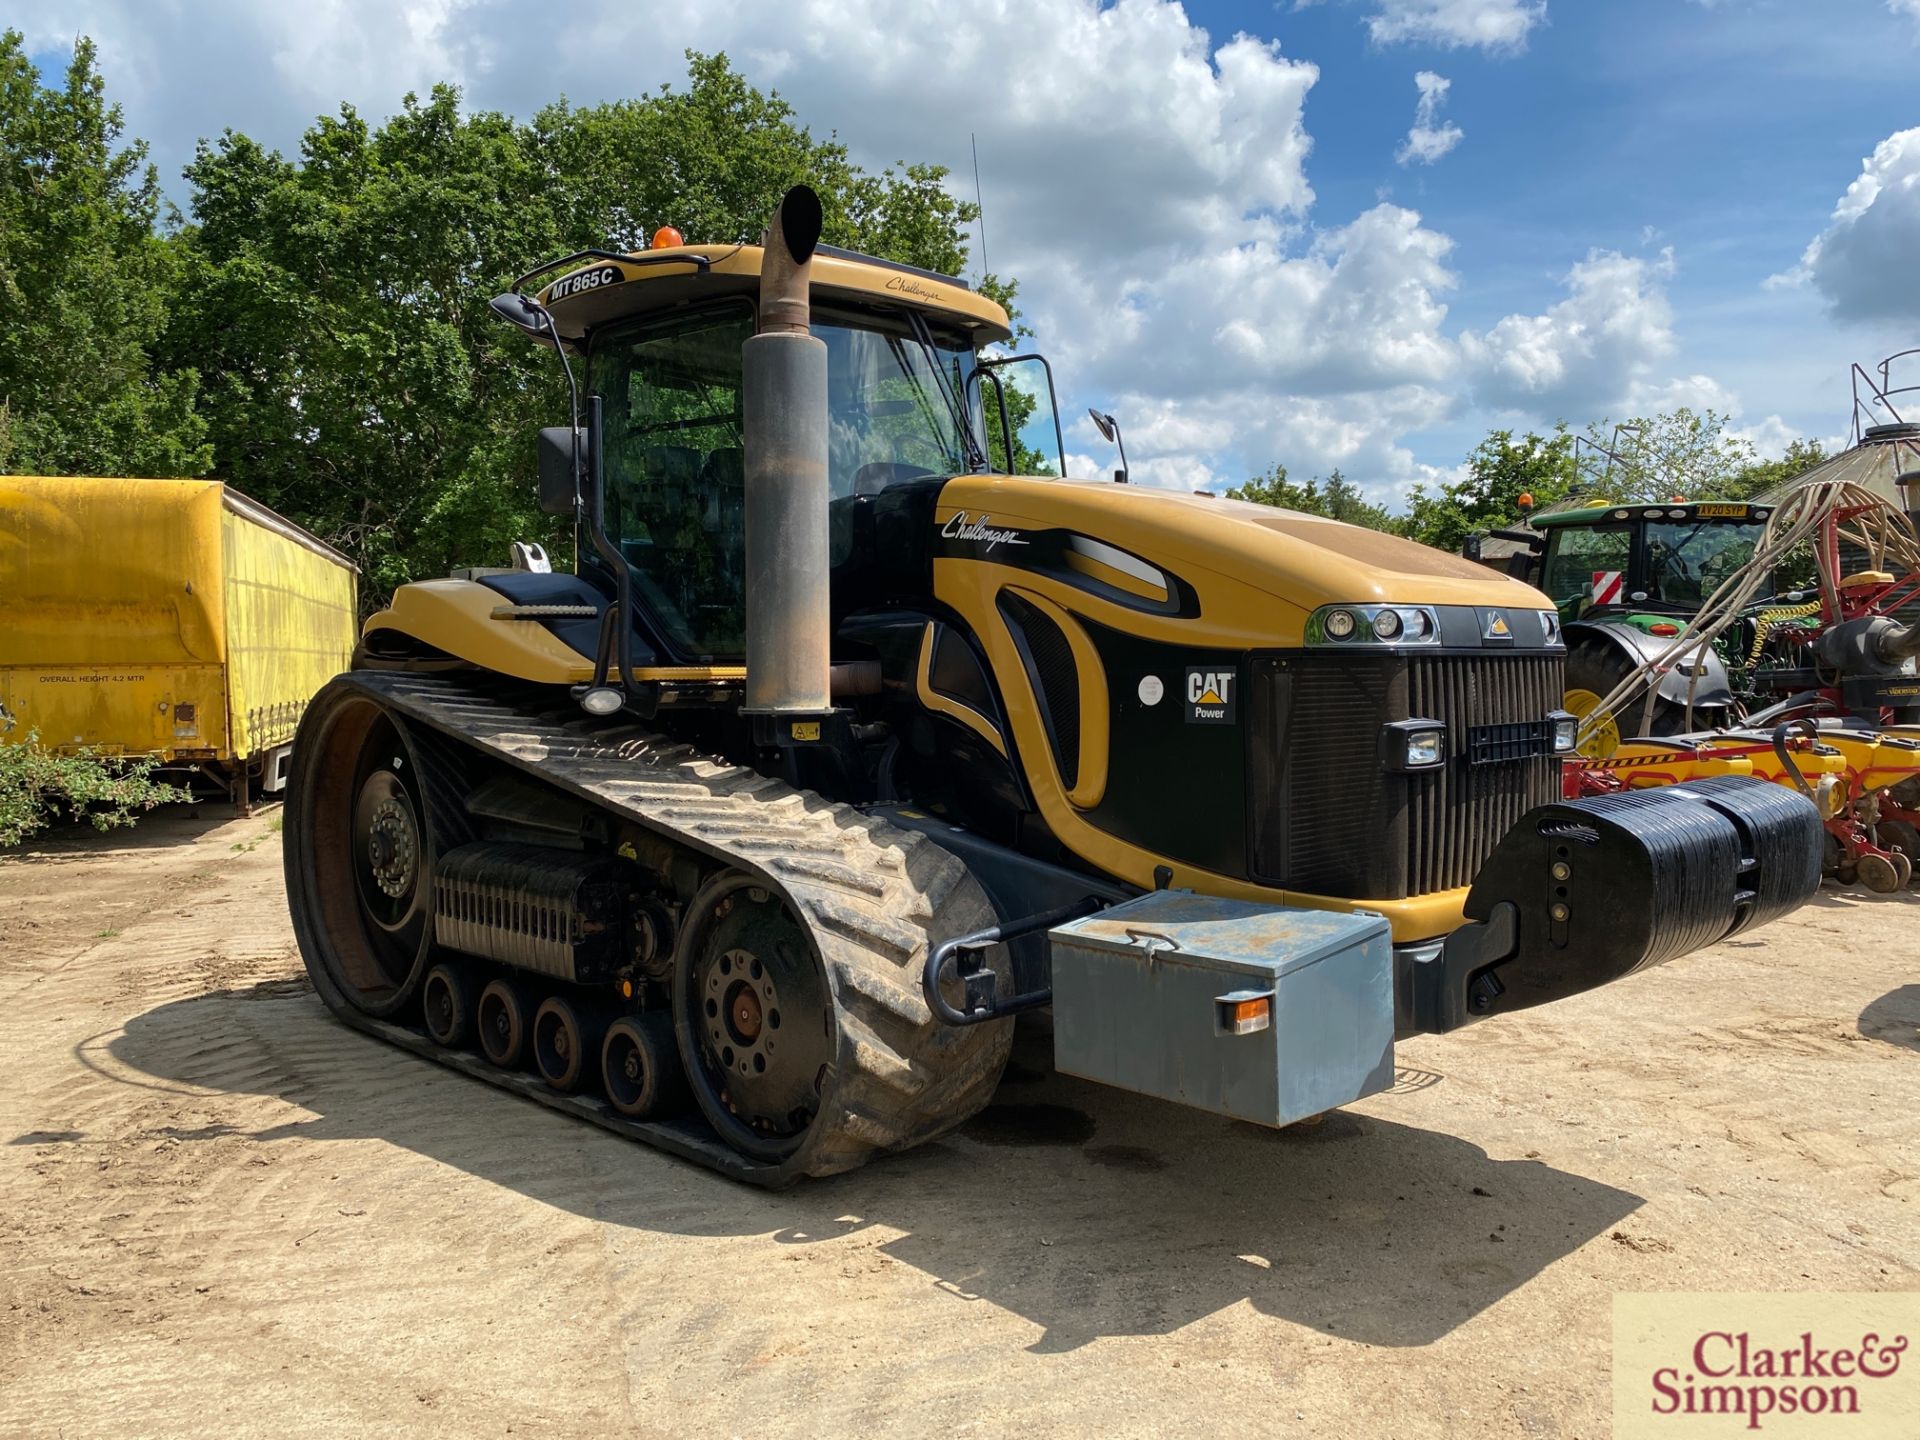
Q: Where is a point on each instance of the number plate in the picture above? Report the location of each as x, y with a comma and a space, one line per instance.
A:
1706, 512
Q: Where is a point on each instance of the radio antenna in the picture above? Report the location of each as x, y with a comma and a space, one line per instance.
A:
979, 203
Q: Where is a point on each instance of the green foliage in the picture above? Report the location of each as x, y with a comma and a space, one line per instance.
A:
84, 282
1337, 498
317, 331
36, 785
1762, 475
1657, 457
1499, 471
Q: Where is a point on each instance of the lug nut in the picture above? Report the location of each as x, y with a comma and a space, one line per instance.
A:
1558, 912
1561, 870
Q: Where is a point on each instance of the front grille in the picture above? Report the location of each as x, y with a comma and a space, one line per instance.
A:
1328, 819
1458, 812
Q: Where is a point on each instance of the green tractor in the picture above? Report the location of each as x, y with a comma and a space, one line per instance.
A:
1626, 579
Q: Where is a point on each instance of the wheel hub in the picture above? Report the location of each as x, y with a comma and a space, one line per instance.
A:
742, 1011
392, 849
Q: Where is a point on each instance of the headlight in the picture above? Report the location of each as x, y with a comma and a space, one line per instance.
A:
1550, 626
1565, 727
1394, 625
1413, 745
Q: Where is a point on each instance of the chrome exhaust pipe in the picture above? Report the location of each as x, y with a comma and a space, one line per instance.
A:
784, 397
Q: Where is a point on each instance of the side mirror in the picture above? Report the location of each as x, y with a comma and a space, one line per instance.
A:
559, 482
1471, 550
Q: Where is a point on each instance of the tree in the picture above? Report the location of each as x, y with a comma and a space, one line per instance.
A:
1340, 499
1499, 471
1657, 457
84, 282
337, 304
1762, 475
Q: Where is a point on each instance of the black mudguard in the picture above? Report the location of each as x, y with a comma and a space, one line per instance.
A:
1581, 893
1712, 691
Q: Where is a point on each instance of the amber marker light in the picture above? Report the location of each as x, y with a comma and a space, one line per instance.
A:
1243, 1013
666, 237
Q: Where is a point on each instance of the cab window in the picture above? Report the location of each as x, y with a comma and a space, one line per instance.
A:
1576, 556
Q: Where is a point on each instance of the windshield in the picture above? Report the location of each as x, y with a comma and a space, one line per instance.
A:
1586, 566
1687, 560
674, 462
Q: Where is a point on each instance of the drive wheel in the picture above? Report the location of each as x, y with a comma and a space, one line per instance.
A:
810, 1049
359, 856
756, 1020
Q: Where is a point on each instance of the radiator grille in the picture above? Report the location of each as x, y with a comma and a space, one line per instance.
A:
1328, 819
1457, 813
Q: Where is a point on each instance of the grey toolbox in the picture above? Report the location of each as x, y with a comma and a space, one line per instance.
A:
1163, 994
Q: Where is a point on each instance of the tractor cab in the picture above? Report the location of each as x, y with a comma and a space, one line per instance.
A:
1645, 564
912, 396
1626, 580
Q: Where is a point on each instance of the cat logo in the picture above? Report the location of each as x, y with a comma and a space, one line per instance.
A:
1494, 626
1210, 696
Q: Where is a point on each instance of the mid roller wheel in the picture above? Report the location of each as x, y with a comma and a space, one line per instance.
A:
640, 1067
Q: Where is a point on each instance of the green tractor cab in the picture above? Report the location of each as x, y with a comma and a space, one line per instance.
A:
1626, 579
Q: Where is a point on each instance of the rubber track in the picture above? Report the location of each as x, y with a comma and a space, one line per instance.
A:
873, 898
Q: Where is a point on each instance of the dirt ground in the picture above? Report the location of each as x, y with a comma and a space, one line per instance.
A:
225, 1211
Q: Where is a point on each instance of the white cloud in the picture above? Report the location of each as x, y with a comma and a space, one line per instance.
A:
1863, 262
1426, 141
1493, 25
1585, 354
1146, 185
1770, 437
1905, 7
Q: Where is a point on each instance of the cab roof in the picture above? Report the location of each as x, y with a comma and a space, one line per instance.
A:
588, 295
1602, 512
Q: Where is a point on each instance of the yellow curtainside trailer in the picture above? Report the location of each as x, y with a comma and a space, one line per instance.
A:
174, 619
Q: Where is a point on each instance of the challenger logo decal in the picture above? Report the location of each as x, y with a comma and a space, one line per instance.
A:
981, 531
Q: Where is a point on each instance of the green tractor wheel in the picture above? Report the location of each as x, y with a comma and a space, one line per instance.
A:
1595, 668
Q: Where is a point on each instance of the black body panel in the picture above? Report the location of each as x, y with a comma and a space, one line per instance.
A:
1174, 787
527, 587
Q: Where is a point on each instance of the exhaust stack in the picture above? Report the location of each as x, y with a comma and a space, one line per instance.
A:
784, 397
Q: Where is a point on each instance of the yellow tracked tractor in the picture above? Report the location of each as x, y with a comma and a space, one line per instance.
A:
843, 747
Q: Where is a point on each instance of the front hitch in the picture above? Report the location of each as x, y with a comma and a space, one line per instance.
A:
1553, 911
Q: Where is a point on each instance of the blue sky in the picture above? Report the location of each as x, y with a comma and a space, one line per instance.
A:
1220, 233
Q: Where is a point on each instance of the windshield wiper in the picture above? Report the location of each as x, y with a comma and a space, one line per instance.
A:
975, 457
